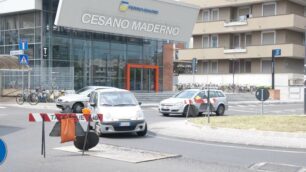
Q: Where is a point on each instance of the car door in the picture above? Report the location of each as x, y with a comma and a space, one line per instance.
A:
201, 106
222, 98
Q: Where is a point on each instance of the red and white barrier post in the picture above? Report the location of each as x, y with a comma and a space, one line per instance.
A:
56, 117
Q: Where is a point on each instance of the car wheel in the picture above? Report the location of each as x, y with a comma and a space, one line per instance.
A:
220, 110
77, 108
142, 133
165, 114
192, 111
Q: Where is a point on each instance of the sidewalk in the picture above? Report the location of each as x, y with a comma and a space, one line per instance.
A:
11, 102
186, 130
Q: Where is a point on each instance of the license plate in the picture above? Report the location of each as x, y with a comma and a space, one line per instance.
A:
125, 124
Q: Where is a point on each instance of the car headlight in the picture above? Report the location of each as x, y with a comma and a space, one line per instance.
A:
140, 115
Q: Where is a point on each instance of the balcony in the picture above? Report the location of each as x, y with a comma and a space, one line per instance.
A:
264, 51
290, 21
233, 3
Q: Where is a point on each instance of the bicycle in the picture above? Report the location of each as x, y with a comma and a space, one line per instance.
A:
32, 98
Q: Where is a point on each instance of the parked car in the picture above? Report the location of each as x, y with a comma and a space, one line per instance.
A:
178, 104
121, 112
77, 101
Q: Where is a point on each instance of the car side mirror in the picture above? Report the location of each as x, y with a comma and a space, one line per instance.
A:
140, 103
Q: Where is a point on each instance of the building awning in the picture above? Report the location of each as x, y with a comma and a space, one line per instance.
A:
10, 63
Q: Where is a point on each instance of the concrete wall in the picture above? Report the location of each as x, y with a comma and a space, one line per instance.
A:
293, 8
281, 82
256, 66
294, 37
197, 41
223, 67
224, 41
225, 13
283, 65
256, 38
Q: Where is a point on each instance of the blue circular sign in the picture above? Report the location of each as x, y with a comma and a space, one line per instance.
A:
3, 151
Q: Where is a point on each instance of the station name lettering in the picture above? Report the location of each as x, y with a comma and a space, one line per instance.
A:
133, 25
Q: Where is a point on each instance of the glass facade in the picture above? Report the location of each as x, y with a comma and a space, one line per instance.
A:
73, 58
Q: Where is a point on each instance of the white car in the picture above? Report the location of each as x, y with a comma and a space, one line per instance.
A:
76, 102
121, 112
178, 104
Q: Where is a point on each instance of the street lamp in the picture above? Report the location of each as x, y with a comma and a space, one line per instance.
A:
305, 71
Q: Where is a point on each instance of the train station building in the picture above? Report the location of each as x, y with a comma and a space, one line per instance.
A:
73, 43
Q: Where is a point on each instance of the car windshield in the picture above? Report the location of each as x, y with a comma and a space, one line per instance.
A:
83, 90
117, 99
186, 94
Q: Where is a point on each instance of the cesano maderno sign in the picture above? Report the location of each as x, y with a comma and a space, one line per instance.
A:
155, 19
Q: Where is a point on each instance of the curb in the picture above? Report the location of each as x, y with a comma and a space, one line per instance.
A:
192, 131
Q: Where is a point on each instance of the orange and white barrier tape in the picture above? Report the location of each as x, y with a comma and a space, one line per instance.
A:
211, 100
54, 117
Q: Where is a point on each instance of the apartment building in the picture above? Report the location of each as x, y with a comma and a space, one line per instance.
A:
233, 42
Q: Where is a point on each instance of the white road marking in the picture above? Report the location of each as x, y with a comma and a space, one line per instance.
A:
2, 115
230, 146
239, 110
2, 107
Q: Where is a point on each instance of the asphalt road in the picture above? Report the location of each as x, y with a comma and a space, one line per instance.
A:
24, 141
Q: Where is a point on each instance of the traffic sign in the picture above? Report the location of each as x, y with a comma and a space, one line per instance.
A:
24, 59
23, 45
276, 52
16, 52
262, 94
3, 151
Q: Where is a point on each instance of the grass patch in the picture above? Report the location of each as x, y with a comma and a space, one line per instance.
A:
264, 123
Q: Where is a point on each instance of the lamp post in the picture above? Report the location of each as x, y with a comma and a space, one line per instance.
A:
305, 72
233, 71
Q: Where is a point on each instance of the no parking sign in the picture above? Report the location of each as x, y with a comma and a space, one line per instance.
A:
3, 151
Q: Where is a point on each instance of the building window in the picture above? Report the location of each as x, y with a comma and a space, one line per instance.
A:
234, 66
199, 17
266, 66
206, 15
214, 41
248, 67
243, 13
214, 14
213, 67
205, 67
248, 39
240, 66
205, 42
210, 67
268, 38
269, 9
236, 41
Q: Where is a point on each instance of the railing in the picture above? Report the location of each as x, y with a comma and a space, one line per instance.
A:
230, 88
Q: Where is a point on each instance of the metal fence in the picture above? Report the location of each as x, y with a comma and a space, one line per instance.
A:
12, 82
